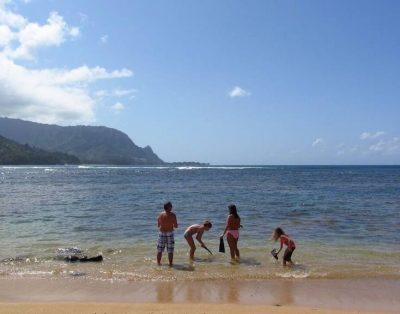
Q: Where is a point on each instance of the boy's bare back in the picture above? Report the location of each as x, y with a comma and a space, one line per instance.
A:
167, 222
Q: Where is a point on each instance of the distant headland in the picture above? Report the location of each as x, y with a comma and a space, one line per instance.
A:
27, 142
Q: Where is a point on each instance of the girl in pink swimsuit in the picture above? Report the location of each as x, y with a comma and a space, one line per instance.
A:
232, 231
279, 234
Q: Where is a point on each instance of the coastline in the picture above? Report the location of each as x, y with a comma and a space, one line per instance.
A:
375, 295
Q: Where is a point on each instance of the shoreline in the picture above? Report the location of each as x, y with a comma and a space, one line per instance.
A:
365, 295
154, 308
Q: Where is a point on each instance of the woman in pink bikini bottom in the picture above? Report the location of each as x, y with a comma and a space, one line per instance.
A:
232, 231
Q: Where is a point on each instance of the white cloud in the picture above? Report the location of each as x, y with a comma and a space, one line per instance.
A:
378, 147
9, 18
104, 39
27, 37
101, 93
51, 96
82, 74
238, 92
317, 141
44, 95
371, 135
6, 35
386, 146
116, 93
118, 107
124, 92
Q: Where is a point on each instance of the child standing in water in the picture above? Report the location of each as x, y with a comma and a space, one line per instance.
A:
166, 223
199, 230
285, 240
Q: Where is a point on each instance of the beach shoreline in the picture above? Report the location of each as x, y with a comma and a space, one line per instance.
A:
154, 308
363, 295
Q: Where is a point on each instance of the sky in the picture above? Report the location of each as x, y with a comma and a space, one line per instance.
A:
223, 82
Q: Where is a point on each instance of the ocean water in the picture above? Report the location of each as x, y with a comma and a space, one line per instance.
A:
345, 221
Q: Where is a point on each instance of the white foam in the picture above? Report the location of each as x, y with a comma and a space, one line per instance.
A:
24, 167
69, 250
22, 273
173, 167
220, 168
294, 274
121, 167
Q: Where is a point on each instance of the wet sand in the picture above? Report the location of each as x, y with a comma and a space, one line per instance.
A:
274, 296
118, 308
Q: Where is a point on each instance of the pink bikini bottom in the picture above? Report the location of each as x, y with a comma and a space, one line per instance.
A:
233, 233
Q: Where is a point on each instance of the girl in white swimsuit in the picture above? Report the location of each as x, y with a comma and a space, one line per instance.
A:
198, 230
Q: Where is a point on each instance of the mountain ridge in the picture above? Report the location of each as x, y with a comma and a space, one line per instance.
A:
13, 153
91, 144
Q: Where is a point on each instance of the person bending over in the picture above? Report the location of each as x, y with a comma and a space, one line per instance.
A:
279, 234
198, 230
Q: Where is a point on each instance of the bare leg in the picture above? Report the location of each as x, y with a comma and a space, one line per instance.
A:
159, 255
190, 241
236, 248
170, 259
231, 242
287, 257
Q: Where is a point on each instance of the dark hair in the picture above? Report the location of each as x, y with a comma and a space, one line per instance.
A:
167, 205
233, 211
277, 233
207, 224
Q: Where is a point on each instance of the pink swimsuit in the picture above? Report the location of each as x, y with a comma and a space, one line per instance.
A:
287, 241
234, 233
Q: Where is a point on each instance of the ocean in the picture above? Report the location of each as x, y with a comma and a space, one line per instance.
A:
345, 221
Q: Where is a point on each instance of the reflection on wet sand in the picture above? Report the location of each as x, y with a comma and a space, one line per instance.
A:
283, 293
165, 292
233, 293
273, 292
356, 294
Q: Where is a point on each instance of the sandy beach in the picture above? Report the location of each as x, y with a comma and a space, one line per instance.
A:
114, 308
78, 295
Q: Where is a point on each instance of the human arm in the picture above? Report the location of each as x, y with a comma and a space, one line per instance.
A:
175, 222
226, 227
280, 248
199, 236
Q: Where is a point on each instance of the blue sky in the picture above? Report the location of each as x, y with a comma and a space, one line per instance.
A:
225, 82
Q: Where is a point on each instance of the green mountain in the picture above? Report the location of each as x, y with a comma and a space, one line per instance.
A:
12, 153
91, 144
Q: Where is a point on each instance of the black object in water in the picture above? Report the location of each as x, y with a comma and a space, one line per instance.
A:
273, 253
84, 259
221, 245
206, 248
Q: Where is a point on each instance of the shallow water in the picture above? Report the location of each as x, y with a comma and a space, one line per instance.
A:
345, 220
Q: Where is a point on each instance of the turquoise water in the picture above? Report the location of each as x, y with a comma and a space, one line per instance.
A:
345, 220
